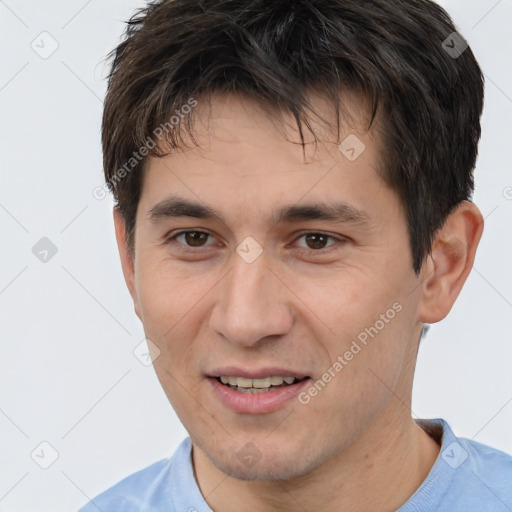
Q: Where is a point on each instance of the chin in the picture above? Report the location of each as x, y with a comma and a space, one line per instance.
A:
267, 469
269, 464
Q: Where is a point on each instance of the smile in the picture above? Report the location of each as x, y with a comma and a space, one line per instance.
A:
256, 396
264, 385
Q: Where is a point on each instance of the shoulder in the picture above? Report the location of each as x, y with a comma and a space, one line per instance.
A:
147, 490
130, 493
490, 467
467, 476
481, 477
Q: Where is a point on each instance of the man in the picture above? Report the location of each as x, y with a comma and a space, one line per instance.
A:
293, 184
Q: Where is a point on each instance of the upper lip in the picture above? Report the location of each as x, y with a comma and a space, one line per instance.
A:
260, 373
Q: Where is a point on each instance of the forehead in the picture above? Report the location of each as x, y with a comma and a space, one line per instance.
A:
228, 118
250, 157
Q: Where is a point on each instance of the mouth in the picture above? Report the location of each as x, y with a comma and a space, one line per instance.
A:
259, 385
256, 390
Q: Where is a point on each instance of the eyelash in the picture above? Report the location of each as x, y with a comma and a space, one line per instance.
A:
173, 238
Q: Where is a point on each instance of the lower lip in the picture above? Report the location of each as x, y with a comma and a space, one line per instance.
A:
256, 403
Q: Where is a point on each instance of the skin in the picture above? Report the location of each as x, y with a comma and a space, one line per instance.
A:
354, 446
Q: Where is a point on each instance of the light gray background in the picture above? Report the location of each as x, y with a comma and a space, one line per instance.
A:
68, 373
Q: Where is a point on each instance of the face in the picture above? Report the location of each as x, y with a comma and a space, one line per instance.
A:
253, 264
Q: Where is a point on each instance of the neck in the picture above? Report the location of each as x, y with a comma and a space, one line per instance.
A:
379, 471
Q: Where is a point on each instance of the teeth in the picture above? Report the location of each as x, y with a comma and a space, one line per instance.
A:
242, 382
262, 383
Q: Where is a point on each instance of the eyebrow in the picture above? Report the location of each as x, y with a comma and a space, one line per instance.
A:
339, 212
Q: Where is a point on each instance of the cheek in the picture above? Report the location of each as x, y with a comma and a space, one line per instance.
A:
164, 291
174, 305
163, 306
349, 304
369, 333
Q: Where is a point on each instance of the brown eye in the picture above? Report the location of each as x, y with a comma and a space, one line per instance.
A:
195, 238
192, 238
317, 241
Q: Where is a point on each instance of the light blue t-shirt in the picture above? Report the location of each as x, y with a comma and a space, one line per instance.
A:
466, 477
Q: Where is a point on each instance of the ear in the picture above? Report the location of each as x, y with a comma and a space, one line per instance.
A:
450, 261
127, 262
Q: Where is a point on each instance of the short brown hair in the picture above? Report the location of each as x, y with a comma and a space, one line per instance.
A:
395, 53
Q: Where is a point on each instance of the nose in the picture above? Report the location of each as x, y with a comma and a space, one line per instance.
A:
252, 304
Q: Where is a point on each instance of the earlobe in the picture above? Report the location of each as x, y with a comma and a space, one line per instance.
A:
450, 262
127, 262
